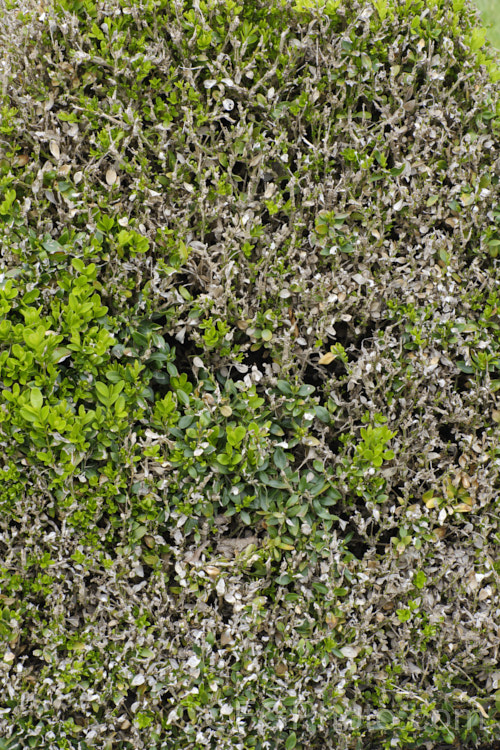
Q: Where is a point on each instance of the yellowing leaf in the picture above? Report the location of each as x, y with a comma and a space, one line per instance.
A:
226, 410
326, 358
462, 508
312, 441
467, 199
433, 502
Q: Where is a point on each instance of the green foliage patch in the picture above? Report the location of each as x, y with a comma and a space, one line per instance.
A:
249, 373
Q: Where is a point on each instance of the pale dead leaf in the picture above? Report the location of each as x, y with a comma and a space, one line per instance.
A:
111, 176
226, 639
212, 571
54, 149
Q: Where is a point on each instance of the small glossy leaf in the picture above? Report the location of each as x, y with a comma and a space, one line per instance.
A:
306, 390
284, 579
36, 398
102, 390
322, 414
279, 458
284, 387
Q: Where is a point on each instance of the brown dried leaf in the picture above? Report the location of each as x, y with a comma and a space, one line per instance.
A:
280, 669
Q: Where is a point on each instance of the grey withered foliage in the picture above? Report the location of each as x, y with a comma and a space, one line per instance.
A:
250, 367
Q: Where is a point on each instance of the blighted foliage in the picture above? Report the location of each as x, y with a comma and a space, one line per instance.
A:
249, 362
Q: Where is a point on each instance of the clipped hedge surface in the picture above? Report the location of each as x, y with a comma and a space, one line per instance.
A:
249, 360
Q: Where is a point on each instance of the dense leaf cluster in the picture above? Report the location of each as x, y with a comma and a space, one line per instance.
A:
249, 372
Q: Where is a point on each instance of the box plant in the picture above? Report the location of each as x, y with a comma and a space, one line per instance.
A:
248, 374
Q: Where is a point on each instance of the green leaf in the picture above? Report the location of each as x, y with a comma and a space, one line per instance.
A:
276, 483
236, 435
102, 391
306, 390
284, 579
322, 414
59, 354
279, 458
284, 387
385, 716
396, 171
183, 397
275, 429
291, 741
420, 579
184, 293
320, 511
120, 406
138, 533
403, 614
28, 413
317, 488
341, 591
320, 587
36, 398
245, 517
